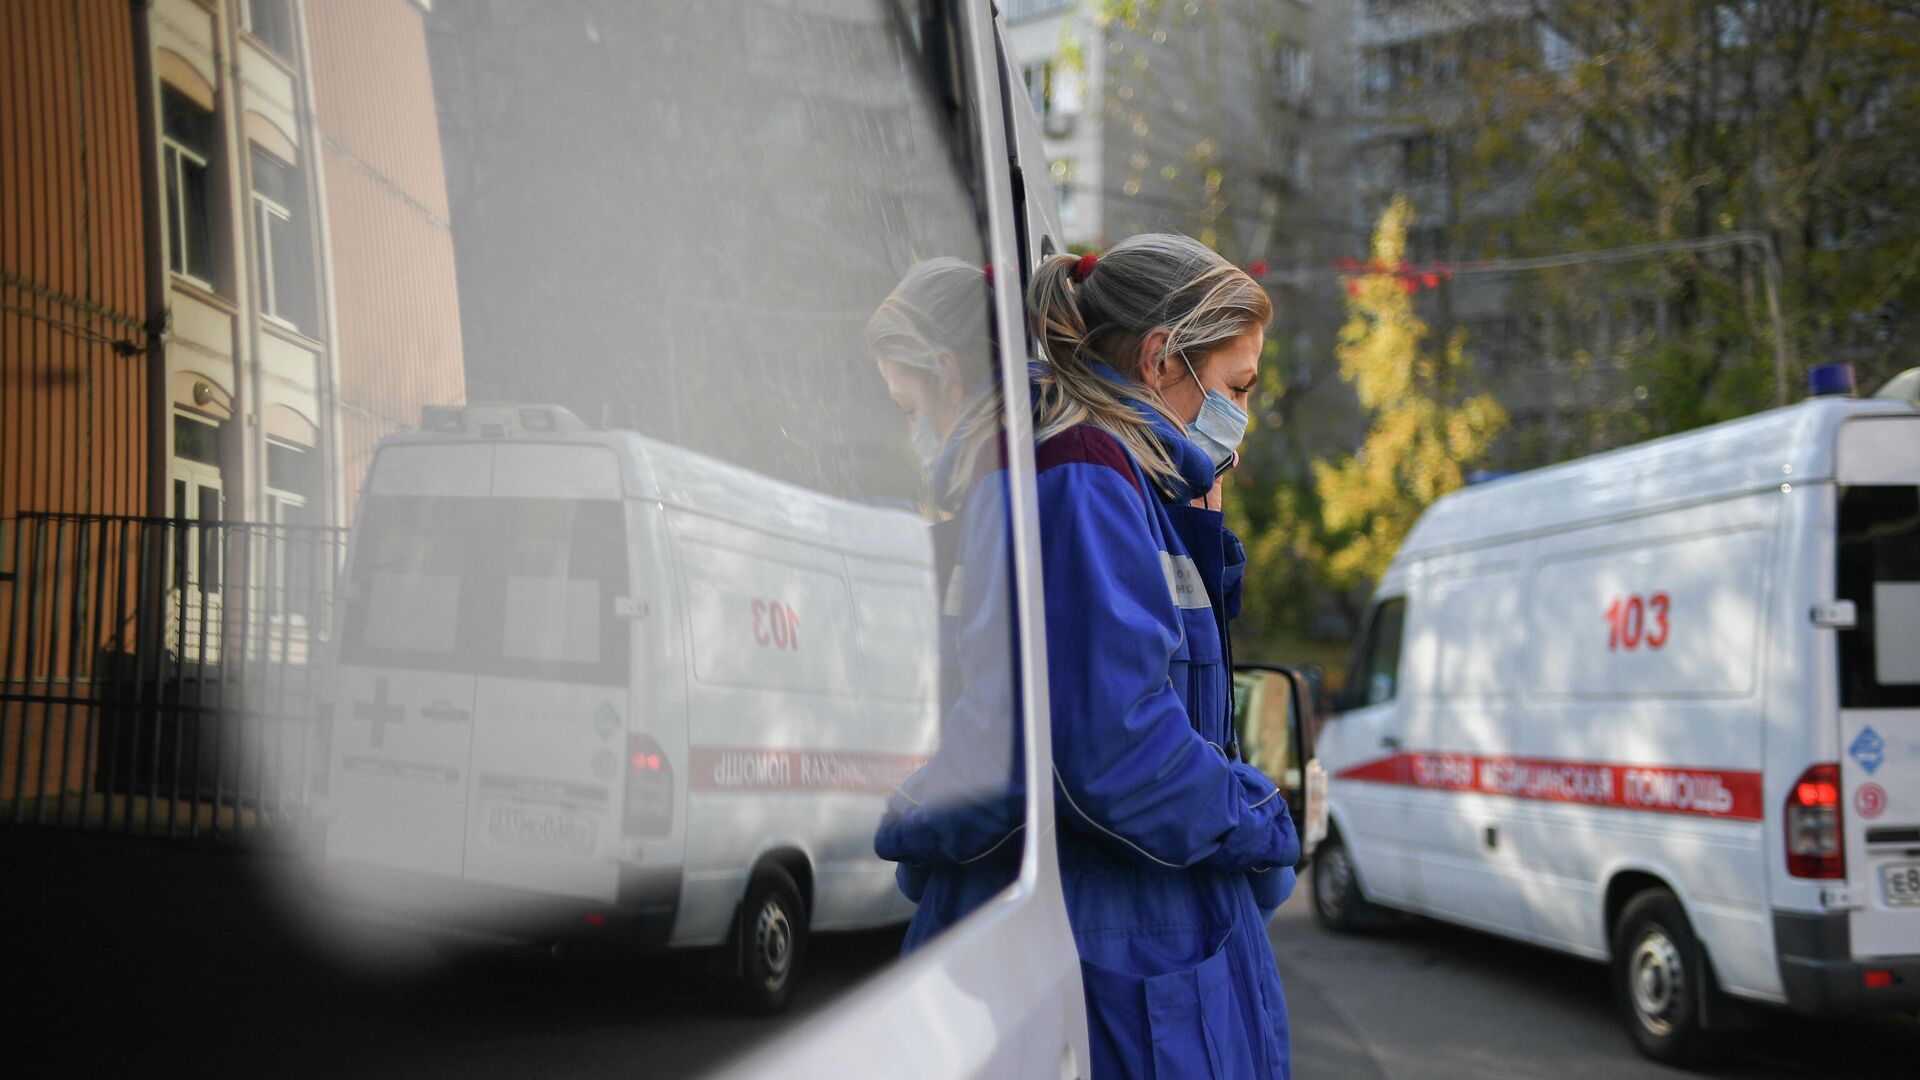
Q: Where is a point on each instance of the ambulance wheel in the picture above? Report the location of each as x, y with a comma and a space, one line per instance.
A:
1659, 972
769, 941
1338, 903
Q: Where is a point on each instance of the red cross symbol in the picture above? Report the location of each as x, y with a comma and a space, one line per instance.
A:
379, 711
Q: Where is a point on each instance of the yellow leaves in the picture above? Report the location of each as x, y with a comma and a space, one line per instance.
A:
1418, 440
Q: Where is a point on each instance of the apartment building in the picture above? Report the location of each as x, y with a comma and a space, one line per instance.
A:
1227, 120
1554, 369
227, 272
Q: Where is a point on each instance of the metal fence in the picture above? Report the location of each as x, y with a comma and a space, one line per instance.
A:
162, 676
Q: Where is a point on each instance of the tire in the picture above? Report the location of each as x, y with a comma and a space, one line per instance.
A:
1338, 903
769, 942
1660, 976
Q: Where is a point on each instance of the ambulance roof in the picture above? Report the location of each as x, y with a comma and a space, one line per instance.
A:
650, 469
1789, 445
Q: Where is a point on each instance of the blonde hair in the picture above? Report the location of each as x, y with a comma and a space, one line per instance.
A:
942, 305
1144, 283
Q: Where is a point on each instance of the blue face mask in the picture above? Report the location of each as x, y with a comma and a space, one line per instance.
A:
926, 441
1220, 426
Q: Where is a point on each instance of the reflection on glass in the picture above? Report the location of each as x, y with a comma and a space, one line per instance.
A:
951, 824
636, 646
452, 433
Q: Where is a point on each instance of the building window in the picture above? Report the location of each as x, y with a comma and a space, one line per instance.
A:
187, 141
197, 503
294, 560
1062, 171
1292, 72
1040, 88
280, 243
272, 22
1423, 158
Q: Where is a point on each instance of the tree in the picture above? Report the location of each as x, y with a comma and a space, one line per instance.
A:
1423, 427
1625, 121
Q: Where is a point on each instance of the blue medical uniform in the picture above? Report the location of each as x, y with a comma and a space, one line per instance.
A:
954, 826
1172, 852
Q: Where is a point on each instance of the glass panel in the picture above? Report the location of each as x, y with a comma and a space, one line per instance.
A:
1382, 670
196, 440
176, 215
291, 469
183, 121
286, 271
405, 595
1879, 571
211, 538
657, 413
272, 22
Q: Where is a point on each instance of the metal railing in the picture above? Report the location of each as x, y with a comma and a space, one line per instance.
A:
161, 676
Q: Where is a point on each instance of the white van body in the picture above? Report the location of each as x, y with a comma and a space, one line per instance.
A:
731, 670
1615, 673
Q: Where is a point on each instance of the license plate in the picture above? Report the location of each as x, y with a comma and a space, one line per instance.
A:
1901, 884
534, 827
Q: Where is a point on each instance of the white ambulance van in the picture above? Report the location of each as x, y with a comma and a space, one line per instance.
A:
592, 686
1660, 707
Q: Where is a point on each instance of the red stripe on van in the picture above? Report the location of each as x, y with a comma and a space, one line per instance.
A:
729, 768
1716, 793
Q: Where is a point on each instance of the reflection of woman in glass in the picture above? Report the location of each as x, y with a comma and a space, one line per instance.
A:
952, 825
1173, 851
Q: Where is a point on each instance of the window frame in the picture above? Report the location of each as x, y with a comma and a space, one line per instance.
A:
283, 44
1356, 694
175, 156
275, 297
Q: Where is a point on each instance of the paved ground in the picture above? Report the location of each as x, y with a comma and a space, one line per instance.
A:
1435, 1002
141, 955
135, 953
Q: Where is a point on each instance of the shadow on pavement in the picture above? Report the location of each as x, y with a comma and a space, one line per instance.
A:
146, 954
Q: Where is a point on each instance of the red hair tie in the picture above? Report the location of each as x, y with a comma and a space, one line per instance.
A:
1084, 267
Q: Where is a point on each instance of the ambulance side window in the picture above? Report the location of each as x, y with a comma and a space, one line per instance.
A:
1879, 570
1377, 674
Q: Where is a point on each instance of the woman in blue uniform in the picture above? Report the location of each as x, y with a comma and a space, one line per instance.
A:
1173, 852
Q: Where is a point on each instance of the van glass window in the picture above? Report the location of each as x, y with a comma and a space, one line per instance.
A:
1379, 669
504, 587
563, 564
1878, 569
642, 440
405, 596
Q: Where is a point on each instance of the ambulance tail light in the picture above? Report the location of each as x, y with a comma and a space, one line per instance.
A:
649, 801
1813, 825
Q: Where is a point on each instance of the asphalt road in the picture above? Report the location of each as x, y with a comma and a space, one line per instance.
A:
128, 955
1430, 1001
138, 955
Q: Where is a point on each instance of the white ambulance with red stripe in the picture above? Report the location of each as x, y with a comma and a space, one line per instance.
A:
1660, 707
593, 687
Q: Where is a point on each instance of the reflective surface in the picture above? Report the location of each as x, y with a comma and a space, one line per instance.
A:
561, 492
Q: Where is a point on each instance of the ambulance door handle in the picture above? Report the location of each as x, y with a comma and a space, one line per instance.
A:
1389, 742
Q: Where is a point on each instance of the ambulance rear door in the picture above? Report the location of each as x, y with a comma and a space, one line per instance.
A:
552, 693
405, 684
1877, 567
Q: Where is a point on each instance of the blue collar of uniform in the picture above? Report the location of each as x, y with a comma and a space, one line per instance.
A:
1195, 467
